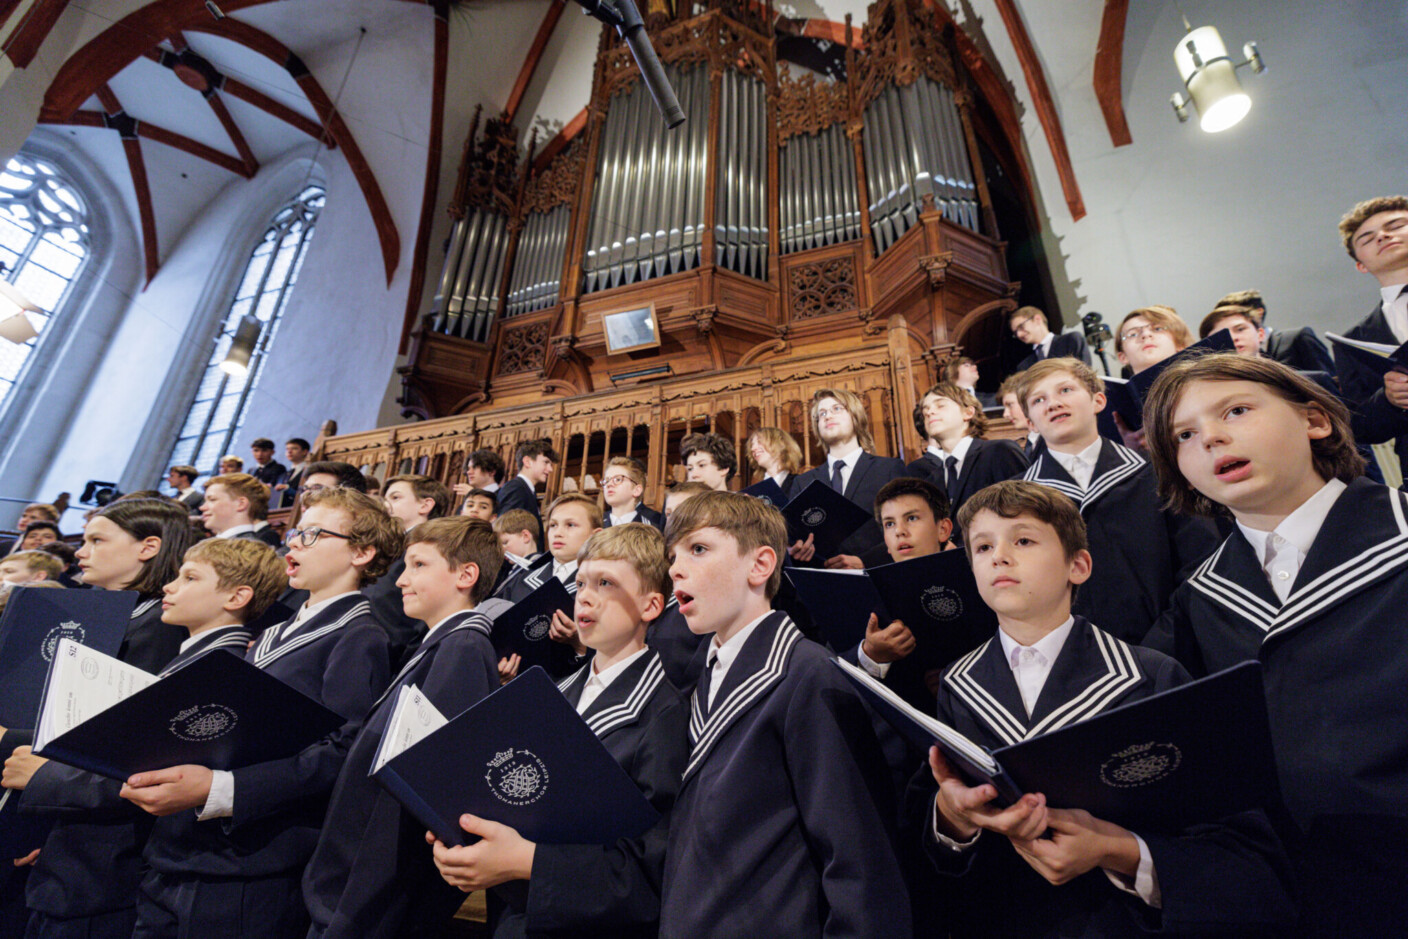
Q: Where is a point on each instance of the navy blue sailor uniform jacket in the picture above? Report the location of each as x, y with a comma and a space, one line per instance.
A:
1141, 552
677, 647
91, 861
645, 515
1335, 670
785, 814
338, 657
589, 891
372, 874
1230, 877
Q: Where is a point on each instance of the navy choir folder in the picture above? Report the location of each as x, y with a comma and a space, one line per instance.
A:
769, 491
840, 602
1163, 763
523, 628
35, 619
522, 757
218, 710
1126, 398
1379, 356
822, 512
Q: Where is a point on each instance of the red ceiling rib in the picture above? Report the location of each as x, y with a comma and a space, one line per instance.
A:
238, 89
161, 135
132, 147
432, 172
1109, 64
32, 30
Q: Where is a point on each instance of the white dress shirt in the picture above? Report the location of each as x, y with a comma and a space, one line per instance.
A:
1080, 465
625, 519
597, 682
1282, 550
721, 656
848, 463
492, 487
1043, 348
564, 572
1395, 297
959, 453
779, 478
235, 530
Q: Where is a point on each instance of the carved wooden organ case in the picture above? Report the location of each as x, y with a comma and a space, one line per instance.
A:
793, 214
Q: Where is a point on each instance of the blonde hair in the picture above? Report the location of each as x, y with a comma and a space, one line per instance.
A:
1077, 369
589, 504
36, 560
516, 520
244, 562
463, 540
854, 405
782, 445
752, 523
369, 525
640, 546
244, 486
628, 465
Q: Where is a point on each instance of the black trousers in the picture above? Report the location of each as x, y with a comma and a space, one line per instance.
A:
171, 907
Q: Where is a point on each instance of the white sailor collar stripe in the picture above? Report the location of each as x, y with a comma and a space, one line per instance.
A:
1127, 463
628, 711
269, 650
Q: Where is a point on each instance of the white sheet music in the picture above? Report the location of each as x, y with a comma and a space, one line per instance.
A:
82, 683
413, 719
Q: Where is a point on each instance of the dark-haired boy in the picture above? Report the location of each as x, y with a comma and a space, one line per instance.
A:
784, 813
371, 874
612, 890
1312, 582
534, 461
1299, 348
710, 459
483, 469
958, 459
1142, 551
481, 505
1037, 870
269, 814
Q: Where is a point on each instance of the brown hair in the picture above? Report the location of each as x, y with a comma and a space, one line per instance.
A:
244, 486
1208, 326
688, 488
186, 470
244, 562
577, 498
369, 525
718, 447
1362, 212
752, 523
952, 366
36, 560
1011, 385
1248, 298
43, 508
977, 424
462, 540
516, 520
163, 519
1022, 312
423, 487
1016, 497
628, 465
236, 461
1165, 316
531, 450
855, 405
1334, 457
782, 445
641, 546
1077, 369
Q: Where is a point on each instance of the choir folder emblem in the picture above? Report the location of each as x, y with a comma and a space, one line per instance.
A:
822, 512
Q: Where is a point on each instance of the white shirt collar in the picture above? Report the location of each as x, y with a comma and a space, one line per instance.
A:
597, 682
959, 452
1391, 292
564, 572
308, 610
429, 632
1301, 526
192, 640
627, 517
527, 479
1045, 344
510, 556
1047, 647
185, 492
721, 656
849, 459
779, 478
236, 530
1087, 457
492, 487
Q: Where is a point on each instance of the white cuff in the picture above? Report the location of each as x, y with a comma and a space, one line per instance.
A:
876, 669
221, 801
1146, 879
945, 840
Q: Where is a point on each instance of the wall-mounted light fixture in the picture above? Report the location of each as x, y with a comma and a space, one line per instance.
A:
242, 346
1210, 76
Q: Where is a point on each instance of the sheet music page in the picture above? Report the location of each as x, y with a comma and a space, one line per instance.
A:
82, 683
413, 719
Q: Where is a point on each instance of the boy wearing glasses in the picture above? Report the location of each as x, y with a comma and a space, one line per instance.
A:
622, 486
1028, 325
246, 835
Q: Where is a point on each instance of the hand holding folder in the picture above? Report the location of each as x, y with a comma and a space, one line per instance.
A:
1380, 357
824, 514
526, 627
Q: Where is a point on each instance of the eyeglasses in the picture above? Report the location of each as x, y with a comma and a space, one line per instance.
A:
615, 480
836, 409
1016, 327
1132, 334
307, 537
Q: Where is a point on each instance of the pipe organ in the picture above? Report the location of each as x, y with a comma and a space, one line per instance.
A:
810, 196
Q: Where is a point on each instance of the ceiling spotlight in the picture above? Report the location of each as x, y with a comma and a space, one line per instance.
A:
1210, 76
241, 347
214, 10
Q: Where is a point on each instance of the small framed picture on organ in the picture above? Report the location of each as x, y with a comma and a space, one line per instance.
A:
629, 330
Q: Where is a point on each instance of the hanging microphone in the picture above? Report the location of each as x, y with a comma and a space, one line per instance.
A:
623, 15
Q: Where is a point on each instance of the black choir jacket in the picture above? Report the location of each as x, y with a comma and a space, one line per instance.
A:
644, 514
782, 825
338, 657
590, 891
372, 874
1071, 344
91, 862
385, 598
1375, 419
1225, 878
866, 477
517, 494
1334, 666
677, 647
987, 462
1141, 551
1301, 349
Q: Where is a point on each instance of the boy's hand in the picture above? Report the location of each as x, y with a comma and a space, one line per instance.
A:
1079, 842
20, 767
508, 668
964, 810
1396, 389
802, 551
844, 562
168, 791
1134, 439
460, 489
890, 644
501, 855
564, 630
28, 859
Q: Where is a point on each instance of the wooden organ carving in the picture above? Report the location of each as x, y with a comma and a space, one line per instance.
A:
798, 229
